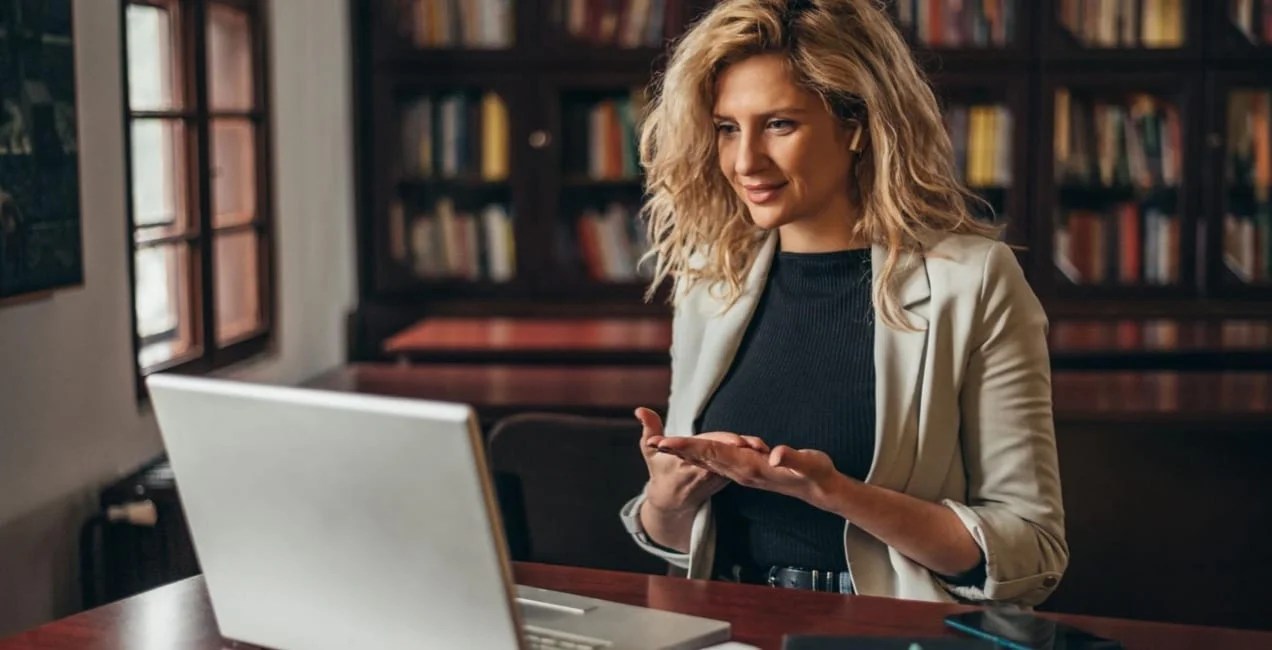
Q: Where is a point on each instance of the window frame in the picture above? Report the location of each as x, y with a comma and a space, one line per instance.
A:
190, 66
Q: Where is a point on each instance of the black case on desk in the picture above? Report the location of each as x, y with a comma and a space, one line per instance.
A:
805, 642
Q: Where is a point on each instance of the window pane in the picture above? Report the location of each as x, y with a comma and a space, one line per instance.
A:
238, 296
229, 58
152, 69
158, 178
163, 303
233, 172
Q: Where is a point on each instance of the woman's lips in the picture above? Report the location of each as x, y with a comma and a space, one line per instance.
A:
762, 193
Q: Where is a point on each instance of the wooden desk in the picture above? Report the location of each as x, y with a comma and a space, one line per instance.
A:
1167, 398
534, 340
496, 391
1139, 344
180, 616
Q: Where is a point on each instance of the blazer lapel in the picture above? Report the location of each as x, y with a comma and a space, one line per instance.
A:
723, 333
899, 359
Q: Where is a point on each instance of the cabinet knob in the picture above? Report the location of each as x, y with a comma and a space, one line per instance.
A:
540, 138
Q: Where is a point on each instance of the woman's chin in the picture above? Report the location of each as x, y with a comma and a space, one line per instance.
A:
768, 218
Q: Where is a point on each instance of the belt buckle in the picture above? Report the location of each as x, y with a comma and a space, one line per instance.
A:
772, 576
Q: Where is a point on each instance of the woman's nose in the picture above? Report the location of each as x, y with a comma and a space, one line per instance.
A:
751, 157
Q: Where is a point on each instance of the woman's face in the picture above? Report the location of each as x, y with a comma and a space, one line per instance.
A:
782, 151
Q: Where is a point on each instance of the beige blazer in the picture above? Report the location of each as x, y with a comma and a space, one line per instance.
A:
963, 413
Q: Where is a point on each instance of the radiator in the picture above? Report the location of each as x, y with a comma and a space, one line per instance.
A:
138, 540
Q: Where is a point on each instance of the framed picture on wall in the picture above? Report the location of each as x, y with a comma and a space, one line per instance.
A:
40, 244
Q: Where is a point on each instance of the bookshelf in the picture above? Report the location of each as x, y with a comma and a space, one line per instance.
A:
597, 236
1116, 140
1239, 183
985, 115
499, 155
1116, 192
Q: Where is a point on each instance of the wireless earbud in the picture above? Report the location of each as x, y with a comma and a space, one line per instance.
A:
855, 144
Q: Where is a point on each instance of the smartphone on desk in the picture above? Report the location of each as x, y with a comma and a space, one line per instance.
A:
1020, 630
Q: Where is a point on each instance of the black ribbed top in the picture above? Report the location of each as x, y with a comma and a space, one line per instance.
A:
803, 376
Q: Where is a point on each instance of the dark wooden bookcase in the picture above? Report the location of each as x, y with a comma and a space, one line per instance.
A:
1229, 192
1200, 56
542, 76
1059, 196
1194, 77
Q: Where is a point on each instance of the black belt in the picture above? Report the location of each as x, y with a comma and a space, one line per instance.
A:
795, 578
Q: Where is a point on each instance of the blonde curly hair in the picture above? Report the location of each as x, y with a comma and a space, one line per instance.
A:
849, 54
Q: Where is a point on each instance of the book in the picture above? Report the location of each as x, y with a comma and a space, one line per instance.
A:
494, 138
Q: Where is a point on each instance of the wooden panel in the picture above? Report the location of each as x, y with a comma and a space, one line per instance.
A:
1167, 523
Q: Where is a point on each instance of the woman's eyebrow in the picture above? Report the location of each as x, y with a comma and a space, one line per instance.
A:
788, 110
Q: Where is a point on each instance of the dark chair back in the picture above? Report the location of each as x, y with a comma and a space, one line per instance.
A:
561, 480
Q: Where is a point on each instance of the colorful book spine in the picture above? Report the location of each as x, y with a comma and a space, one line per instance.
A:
1153, 24
958, 23
623, 24
610, 243
469, 24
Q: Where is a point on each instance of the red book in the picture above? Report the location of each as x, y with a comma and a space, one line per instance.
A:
1130, 244
589, 246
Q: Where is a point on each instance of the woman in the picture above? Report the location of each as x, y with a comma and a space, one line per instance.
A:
863, 363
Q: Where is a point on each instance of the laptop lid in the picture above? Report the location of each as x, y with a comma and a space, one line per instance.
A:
263, 470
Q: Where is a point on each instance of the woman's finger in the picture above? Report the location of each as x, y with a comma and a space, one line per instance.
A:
724, 437
788, 458
651, 427
736, 440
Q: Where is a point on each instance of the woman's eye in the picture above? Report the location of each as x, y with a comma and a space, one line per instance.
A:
725, 128
781, 125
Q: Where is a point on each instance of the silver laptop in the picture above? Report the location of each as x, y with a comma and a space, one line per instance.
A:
337, 520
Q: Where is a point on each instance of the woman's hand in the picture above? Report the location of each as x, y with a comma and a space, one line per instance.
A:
928, 533
805, 474
677, 485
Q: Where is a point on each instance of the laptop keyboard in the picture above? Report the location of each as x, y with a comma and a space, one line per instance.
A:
547, 640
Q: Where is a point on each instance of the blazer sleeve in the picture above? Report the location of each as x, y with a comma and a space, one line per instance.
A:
1013, 508
630, 512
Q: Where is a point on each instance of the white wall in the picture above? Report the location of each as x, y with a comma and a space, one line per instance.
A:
69, 421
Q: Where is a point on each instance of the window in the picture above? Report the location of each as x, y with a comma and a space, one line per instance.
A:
199, 210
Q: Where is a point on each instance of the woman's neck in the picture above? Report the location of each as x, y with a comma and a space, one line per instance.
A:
819, 236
